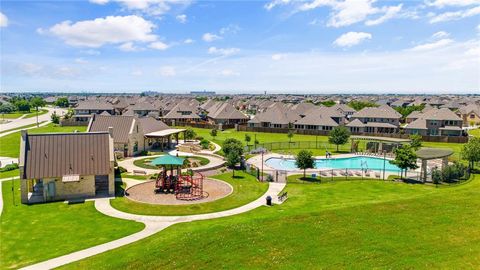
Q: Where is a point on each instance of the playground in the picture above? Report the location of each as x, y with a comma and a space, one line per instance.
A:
174, 187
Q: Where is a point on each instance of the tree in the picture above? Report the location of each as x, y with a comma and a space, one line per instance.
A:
328, 103
358, 105
213, 132
189, 134
37, 102
416, 141
7, 108
338, 136
248, 138
22, 105
471, 151
304, 160
62, 102
233, 150
290, 135
55, 118
405, 158
232, 160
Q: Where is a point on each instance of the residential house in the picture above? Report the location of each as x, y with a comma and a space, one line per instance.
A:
276, 116
183, 113
225, 114
85, 109
470, 114
436, 122
382, 119
66, 166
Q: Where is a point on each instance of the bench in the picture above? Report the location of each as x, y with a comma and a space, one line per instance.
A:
139, 172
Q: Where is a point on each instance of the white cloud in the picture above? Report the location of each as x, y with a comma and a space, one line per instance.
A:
433, 45
181, 18
188, 41
151, 7
229, 73
128, 47
351, 11
458, 3
455, 15
167, 71
80, 61
3, 20
440, 34
351, 39
390, 12
158, 45
31, 69
136, 72
209, 37
278, 56
229, 29
109, 30
315, 4
275, 3
223, 52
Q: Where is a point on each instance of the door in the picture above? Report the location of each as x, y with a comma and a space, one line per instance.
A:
101, 185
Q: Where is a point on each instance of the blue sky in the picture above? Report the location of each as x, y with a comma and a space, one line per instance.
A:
279, 46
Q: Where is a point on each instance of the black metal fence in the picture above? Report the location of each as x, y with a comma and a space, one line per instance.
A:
298, 145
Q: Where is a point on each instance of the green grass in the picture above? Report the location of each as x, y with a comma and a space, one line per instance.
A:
335, 225
9, 174
31, 234
245, 189
135, 176
22, 127
10, 144
475, 132
17, 114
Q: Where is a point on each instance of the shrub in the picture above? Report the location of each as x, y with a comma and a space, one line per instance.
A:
9, 167
204, 144
198, 138
119, 170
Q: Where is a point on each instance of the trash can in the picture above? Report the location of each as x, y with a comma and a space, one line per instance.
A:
269, 200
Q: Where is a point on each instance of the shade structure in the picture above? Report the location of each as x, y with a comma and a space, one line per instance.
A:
167, 160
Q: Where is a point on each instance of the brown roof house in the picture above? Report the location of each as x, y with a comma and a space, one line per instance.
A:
184, 112
470, 114
383, 119
225, 113
436, 122
133, 135
276, 116
66, 166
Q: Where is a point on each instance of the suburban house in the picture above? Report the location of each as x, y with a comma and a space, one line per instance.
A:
141, 109
383, 119
321, 118
85, 109
66, 166
133, 135
183, 113
470, 114
436, 122
224, 113
276, 116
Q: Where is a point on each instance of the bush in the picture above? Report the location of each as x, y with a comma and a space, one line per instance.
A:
456, 171
436, 176
199, 138
119, 170
55, 118
9, 167
204, 144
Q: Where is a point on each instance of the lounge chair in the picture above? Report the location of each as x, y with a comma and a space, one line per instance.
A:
343, 173
323, 173
377, 174
358, 173
334, 173
367, 173
350, 173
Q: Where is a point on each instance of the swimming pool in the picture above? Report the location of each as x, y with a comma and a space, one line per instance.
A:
356, 163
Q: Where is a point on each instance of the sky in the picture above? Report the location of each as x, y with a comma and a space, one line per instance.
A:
278, 46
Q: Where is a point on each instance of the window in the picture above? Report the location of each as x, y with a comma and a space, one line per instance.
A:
472, 116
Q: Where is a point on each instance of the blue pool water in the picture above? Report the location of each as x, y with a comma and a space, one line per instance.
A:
357, 163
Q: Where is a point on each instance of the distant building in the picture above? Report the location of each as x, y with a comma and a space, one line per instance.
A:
203, 93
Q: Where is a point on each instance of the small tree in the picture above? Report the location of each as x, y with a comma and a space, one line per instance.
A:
304, 160
189, 134
232, 159
471, 151
213, 132
233, 150
339, 136
55, 118
22, 105
290, 135
7, 108
405, 158
247, 138
62, 102
37, 102
416, 141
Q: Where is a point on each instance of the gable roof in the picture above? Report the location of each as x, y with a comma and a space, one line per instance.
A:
383, 111
59, 154
225, 111
94, 105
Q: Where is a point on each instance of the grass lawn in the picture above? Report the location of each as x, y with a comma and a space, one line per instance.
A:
17, 114
134, 176
263, 137
475, 132
245, 189
10, 144
23, 127
31, 234
9, 174
339, 225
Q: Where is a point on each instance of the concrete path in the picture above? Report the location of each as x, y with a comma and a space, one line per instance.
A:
17, 130
153, 224
215, 162
20, 122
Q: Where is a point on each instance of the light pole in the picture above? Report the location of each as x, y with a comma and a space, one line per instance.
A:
262, 166
384, 162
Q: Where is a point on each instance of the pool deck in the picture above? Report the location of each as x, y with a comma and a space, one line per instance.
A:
257, 162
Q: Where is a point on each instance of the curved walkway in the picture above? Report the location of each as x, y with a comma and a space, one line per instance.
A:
214, 163
21, 122
153, 224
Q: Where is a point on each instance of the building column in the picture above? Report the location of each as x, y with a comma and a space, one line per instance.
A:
380, 147
424, 170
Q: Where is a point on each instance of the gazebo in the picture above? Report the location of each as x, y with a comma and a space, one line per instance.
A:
185, 187
426, 154
378, 144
